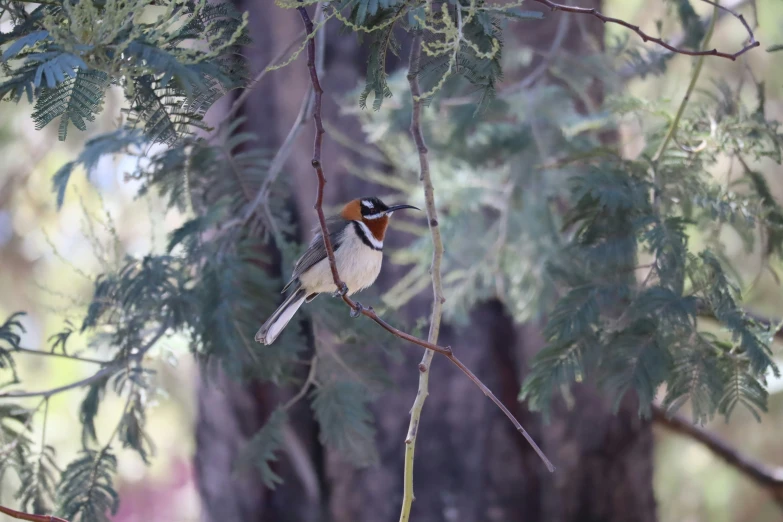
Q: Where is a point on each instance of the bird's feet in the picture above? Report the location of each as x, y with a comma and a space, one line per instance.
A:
341, 291
356, 312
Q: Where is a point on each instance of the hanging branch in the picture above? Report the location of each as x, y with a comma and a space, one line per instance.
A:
106, 371
356, 307
30, 351
767, 477
752, 43
437, 286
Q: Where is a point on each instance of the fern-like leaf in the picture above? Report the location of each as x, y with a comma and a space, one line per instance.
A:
10, 339
262, 449
38, 483
86, 491
74, 100
744, 389
346, 423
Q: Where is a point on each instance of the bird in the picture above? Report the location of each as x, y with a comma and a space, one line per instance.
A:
356, 234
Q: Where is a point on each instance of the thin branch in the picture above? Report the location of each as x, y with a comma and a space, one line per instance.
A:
733, 13
248, 90
437, 286
303, 390
305, 113
62, 355
768, 477
340, 285
318, 143
672, 132
100, 374
629, 70
647, 38
19, 515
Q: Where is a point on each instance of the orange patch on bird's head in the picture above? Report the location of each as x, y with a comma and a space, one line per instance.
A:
352, 211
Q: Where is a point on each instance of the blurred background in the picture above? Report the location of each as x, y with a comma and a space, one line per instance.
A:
47, 258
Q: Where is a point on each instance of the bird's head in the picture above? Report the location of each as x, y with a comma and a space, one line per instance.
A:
373, 212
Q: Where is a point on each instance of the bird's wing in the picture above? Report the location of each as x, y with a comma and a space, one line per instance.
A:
315, 251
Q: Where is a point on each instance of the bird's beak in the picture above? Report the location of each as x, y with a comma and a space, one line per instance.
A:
400, 207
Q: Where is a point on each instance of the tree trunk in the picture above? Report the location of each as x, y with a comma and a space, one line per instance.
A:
471, 465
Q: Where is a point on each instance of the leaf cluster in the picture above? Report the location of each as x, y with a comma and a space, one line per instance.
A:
625, 292
64, 56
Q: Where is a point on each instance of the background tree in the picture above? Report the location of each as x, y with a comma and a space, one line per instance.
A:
569, 256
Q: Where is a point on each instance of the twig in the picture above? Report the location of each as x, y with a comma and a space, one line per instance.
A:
356, 307
19, 515
733, 13
437, 286
63, 355
319, 135
767, 477
629, 70
100, 374
647, 38
303, 390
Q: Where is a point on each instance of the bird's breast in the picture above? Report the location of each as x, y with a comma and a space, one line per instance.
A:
358, 264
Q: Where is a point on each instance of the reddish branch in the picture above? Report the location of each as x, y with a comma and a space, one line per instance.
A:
356, 307
767, 477
19, 515
752, 43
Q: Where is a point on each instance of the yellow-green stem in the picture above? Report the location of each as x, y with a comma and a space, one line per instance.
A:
694, 78
437, 286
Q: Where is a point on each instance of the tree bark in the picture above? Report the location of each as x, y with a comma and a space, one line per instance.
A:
471, 465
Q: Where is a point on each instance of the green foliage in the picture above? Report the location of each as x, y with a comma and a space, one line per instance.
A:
346, 424
65, 56
131, 428
38, 483
624, 290
263, 447
73, 100
461, 41
10, 339
86, 492
89, 410
536, 211
15, 441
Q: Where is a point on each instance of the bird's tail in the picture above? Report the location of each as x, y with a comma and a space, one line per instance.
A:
275, 324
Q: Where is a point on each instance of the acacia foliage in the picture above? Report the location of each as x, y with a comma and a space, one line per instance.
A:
505, 165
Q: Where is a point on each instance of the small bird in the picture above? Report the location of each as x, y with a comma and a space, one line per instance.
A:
357, 239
